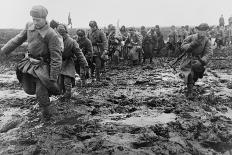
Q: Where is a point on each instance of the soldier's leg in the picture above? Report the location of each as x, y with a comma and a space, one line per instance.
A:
77, 67
68, 87
92, 66
29, 84
43, 98
190, 84
98, 67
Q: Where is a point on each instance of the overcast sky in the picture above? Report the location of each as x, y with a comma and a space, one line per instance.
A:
15, 13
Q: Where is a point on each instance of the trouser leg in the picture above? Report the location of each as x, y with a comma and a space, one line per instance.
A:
77, 67
98, 67
67, 86
43, 98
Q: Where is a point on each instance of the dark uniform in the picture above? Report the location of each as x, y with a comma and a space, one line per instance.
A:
148, 44
39, 70
71, 51
100, 44
87, 49
198, 50
134, 43
114, 46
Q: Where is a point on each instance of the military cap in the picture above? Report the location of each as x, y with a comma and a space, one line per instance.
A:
62, 29
80, 32
92, 23
54, 24
38, 11
142, 28
203, 27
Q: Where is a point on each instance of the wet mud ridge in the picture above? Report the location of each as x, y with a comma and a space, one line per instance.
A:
141, 110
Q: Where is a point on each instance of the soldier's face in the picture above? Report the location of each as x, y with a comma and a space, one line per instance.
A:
39, 22
93, 28
202, 33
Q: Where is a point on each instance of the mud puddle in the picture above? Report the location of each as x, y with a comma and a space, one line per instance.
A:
140, 119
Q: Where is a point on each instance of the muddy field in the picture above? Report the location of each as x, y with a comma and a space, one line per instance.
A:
135, 110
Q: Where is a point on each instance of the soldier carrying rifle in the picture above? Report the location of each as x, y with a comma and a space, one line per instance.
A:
198, 50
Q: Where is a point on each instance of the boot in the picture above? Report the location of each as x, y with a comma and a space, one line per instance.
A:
46, 113
97, 74
190, 94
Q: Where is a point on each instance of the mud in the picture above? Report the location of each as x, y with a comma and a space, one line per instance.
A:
134, 110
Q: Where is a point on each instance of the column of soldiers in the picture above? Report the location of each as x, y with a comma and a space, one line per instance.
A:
222, 33
53, 57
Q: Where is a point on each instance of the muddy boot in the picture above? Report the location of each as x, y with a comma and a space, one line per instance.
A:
189, 93
46, 113
97, 74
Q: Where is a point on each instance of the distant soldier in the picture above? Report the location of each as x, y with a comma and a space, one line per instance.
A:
230, 20
143, 31
221, 21
149, 44
134, 44
114, 41
198, 50
39, 70
100, 47
230, 33
182, 34
71, 51
219, 37
160, 39
172, 40
87, 49
124, 35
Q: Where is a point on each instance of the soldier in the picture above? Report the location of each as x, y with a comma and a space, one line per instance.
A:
143, 31
182, 34
219, 37
54, 24
198, 50
114, 45
172, 39
124, 35
149, 43
221, 21
160, 39
39, 70
100, 46
71, 49
134, 44
230, 20
87, 49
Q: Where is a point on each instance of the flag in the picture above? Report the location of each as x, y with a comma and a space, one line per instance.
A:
69, 19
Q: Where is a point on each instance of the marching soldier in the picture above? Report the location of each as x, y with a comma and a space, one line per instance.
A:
71, 51
172, 40
124, 35
114, 45
100, 46
87, 49
198, 50
149, 43
160, 39
221, 21
39, 70
134, 44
